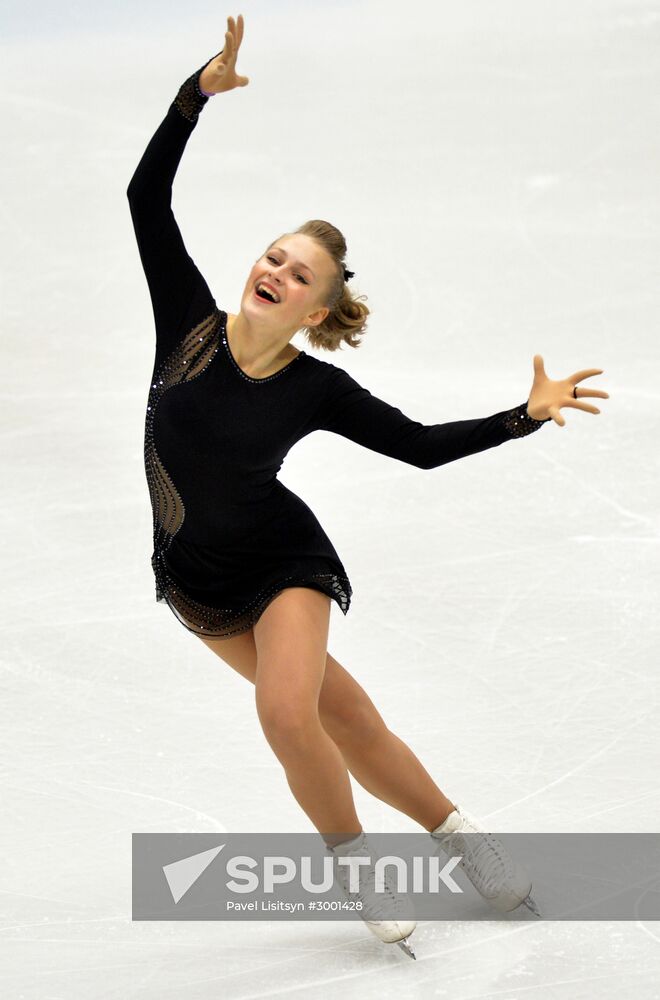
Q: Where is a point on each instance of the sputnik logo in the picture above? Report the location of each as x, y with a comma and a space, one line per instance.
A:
183, 874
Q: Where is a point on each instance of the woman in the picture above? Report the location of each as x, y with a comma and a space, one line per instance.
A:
241, 560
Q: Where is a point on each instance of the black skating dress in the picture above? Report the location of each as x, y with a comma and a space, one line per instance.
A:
227, 534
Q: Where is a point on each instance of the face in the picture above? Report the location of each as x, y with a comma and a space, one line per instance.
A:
300, 271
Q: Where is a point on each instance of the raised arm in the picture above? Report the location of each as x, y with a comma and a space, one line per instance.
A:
352, 411
180, 296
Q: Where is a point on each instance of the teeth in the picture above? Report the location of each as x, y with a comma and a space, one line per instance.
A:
274, 294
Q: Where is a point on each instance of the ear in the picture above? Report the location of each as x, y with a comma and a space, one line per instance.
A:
317, 317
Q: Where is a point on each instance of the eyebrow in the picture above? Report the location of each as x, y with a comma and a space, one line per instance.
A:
297, 263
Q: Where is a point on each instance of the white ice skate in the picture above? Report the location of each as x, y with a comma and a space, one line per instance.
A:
374, 903
485, 862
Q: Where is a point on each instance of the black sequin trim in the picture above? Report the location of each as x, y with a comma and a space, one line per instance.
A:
519, 423
190, 100
223, 623
188, 360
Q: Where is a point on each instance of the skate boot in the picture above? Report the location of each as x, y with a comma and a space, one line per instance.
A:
485, 862
375, 903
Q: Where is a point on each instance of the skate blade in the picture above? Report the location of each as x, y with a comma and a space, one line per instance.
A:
531, 905
407, 948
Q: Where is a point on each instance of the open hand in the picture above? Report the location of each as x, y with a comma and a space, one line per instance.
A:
220, 74
547, 396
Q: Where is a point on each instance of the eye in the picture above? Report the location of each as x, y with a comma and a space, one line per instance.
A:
275, 261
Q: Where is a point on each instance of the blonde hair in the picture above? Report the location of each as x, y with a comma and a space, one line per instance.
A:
348, 314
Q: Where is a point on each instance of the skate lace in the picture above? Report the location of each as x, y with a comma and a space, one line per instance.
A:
484, 859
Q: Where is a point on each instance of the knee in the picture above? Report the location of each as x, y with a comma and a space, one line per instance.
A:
287, 723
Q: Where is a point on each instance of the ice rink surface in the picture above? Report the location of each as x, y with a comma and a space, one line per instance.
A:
494, 168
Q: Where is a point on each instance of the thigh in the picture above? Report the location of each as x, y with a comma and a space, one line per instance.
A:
291, 639
239, 652
344, 706
291, 621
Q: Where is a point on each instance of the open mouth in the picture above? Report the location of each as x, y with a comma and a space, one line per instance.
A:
264, 295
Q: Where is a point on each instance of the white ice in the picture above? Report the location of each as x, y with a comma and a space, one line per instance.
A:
494, 167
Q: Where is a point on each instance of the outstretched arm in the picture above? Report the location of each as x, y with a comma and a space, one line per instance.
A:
352, 411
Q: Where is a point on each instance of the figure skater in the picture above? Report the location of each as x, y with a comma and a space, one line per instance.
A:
240, 559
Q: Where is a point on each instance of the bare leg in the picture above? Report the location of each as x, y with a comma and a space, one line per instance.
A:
375, 756
391, 772
378, 759
290, 640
